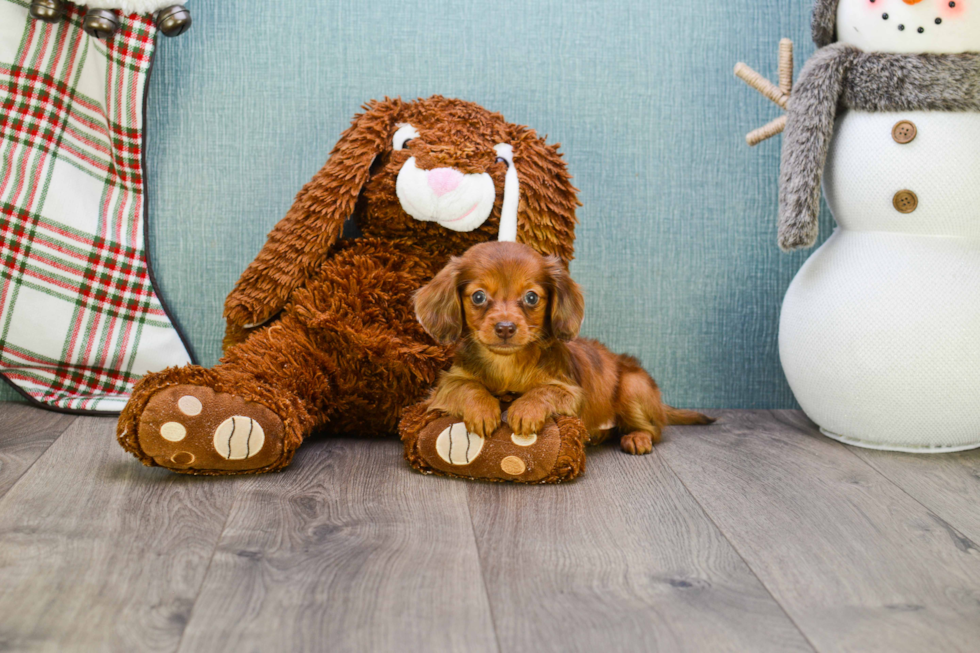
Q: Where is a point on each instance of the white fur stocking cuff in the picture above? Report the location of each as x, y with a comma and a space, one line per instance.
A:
132, 6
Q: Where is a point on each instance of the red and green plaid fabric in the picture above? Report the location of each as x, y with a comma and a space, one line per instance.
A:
80, 321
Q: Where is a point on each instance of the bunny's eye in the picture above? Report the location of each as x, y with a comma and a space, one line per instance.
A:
402, 137
501, 159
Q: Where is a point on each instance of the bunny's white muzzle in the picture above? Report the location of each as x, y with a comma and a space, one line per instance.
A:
458, 201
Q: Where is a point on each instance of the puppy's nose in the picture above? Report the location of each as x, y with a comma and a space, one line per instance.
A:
505, 329
444, 180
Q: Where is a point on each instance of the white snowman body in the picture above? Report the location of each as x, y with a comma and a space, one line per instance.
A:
880, 330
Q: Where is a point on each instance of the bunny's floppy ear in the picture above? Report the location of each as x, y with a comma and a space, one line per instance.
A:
437, 305
546, 210
302, 239
566, 309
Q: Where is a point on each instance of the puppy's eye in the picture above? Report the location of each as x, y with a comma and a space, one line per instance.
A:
479, 298
531, 298
501, 159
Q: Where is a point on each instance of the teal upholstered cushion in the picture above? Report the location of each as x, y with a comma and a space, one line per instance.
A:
676, 248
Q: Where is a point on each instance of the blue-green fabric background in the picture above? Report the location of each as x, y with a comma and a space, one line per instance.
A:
677, 244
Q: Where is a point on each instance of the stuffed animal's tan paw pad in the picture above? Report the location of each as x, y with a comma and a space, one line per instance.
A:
195, 429
238, 438
457, 446
524, 440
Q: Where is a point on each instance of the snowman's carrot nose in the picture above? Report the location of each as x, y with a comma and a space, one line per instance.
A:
911, 2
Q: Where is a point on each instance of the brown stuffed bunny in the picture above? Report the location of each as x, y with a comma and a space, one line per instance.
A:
321, 330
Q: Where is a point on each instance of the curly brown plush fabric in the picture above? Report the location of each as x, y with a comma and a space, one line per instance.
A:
569, 462
321, 331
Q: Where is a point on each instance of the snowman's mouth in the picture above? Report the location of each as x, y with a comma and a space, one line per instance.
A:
901, 26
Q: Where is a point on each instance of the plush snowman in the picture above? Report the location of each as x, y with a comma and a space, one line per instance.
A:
880, 330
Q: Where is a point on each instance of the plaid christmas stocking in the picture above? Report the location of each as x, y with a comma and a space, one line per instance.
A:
80, 321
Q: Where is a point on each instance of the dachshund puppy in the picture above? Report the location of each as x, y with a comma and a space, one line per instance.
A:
515, 316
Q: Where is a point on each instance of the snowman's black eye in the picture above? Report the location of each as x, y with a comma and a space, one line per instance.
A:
939, 21
885, 16
952, 4
901, 28
922, 30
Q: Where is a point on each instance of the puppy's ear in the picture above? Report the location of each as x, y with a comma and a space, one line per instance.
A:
437, 305
546, 212
567, 305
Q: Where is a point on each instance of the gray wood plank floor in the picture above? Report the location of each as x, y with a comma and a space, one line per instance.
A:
756, 534
25, 434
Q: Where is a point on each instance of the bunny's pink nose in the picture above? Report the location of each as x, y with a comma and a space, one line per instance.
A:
444, 180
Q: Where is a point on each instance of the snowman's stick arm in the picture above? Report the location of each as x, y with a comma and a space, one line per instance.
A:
761, 84
786, 66
765, 133
779, 95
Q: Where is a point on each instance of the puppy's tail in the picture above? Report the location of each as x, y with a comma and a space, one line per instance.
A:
678, 417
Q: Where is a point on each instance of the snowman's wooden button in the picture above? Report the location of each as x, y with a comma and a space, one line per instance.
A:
904, 132
905, 201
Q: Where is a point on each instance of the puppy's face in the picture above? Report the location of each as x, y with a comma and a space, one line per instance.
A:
504, 304
505, 296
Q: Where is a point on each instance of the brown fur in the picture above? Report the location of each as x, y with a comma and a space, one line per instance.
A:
337, 346
509, 344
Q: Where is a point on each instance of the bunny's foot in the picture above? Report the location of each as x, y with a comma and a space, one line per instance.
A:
439, 444
195, 429
203, 428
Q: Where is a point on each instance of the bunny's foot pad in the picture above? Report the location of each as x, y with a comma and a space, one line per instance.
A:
195, 430
438, 444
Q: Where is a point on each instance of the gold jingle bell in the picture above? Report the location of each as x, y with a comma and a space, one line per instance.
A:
100, 23
174, 21
49, 11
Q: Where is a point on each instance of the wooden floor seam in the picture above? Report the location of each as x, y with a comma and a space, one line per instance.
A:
742, 557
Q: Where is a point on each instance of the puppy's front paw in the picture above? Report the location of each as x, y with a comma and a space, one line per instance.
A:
637, 444
482, 420
527, 417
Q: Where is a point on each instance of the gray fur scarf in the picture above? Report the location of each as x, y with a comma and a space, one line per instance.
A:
841, 76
